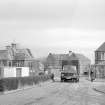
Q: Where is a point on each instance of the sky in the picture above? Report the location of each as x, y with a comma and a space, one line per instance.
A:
53, 26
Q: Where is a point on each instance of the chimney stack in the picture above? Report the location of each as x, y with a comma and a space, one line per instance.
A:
13, 45
70, 53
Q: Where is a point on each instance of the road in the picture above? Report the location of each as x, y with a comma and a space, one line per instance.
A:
81, 93
57, 93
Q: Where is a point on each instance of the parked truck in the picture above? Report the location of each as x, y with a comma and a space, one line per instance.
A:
69, 73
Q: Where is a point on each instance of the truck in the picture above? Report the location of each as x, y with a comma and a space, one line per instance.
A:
69, 73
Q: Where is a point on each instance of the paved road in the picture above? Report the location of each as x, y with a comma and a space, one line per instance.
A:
57, 93
81, 93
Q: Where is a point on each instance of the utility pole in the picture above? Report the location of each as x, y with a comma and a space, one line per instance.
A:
89, 72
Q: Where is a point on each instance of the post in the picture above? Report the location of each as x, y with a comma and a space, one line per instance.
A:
89, 72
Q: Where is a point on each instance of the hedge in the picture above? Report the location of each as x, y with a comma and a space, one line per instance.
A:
17, 82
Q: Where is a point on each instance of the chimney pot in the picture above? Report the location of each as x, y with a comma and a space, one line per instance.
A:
13, 45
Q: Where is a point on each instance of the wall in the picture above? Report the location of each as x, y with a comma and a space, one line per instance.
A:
11, 71
100, 71
56, 72
25, 71
97, 57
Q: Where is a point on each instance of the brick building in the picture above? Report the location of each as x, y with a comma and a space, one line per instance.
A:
100, 61
55, 61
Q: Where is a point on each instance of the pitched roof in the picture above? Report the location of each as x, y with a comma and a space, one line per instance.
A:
25, 54
60, 56
4, 55
19, 56
83, 58
14, 52
101, 48
73, 56
64, 56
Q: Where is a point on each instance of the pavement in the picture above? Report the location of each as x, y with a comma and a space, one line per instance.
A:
100, 88
99, 85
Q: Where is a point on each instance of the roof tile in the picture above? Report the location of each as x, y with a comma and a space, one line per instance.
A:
101, 48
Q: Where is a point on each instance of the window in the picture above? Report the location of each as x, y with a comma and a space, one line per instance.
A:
103, 56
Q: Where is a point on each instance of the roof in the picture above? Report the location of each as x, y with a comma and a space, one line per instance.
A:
19, 56
74, 56
60, 56
14, 53
64, 56
24, 54
83, 58
4, 55
101, 48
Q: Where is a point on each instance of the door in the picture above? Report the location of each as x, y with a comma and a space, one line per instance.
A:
18, 72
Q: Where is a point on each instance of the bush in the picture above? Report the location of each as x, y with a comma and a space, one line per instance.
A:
8, 84
16, 82
24, 81
1, 85
36, 79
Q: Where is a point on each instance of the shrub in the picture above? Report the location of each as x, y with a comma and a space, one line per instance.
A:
24, 81
8, 84
16, 82
1, 85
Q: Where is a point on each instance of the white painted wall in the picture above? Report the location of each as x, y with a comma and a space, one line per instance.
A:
25, 71
11, 71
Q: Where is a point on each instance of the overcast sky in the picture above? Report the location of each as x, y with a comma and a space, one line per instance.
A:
55, 26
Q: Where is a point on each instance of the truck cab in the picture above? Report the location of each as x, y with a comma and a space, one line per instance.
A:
69, 73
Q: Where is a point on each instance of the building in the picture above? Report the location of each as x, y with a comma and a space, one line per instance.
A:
84, 63
56, 61
100, 61
15, 61
37, 68
100, 54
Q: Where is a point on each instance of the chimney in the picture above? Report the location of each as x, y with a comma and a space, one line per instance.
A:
13, 45
70, 53
50, 53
